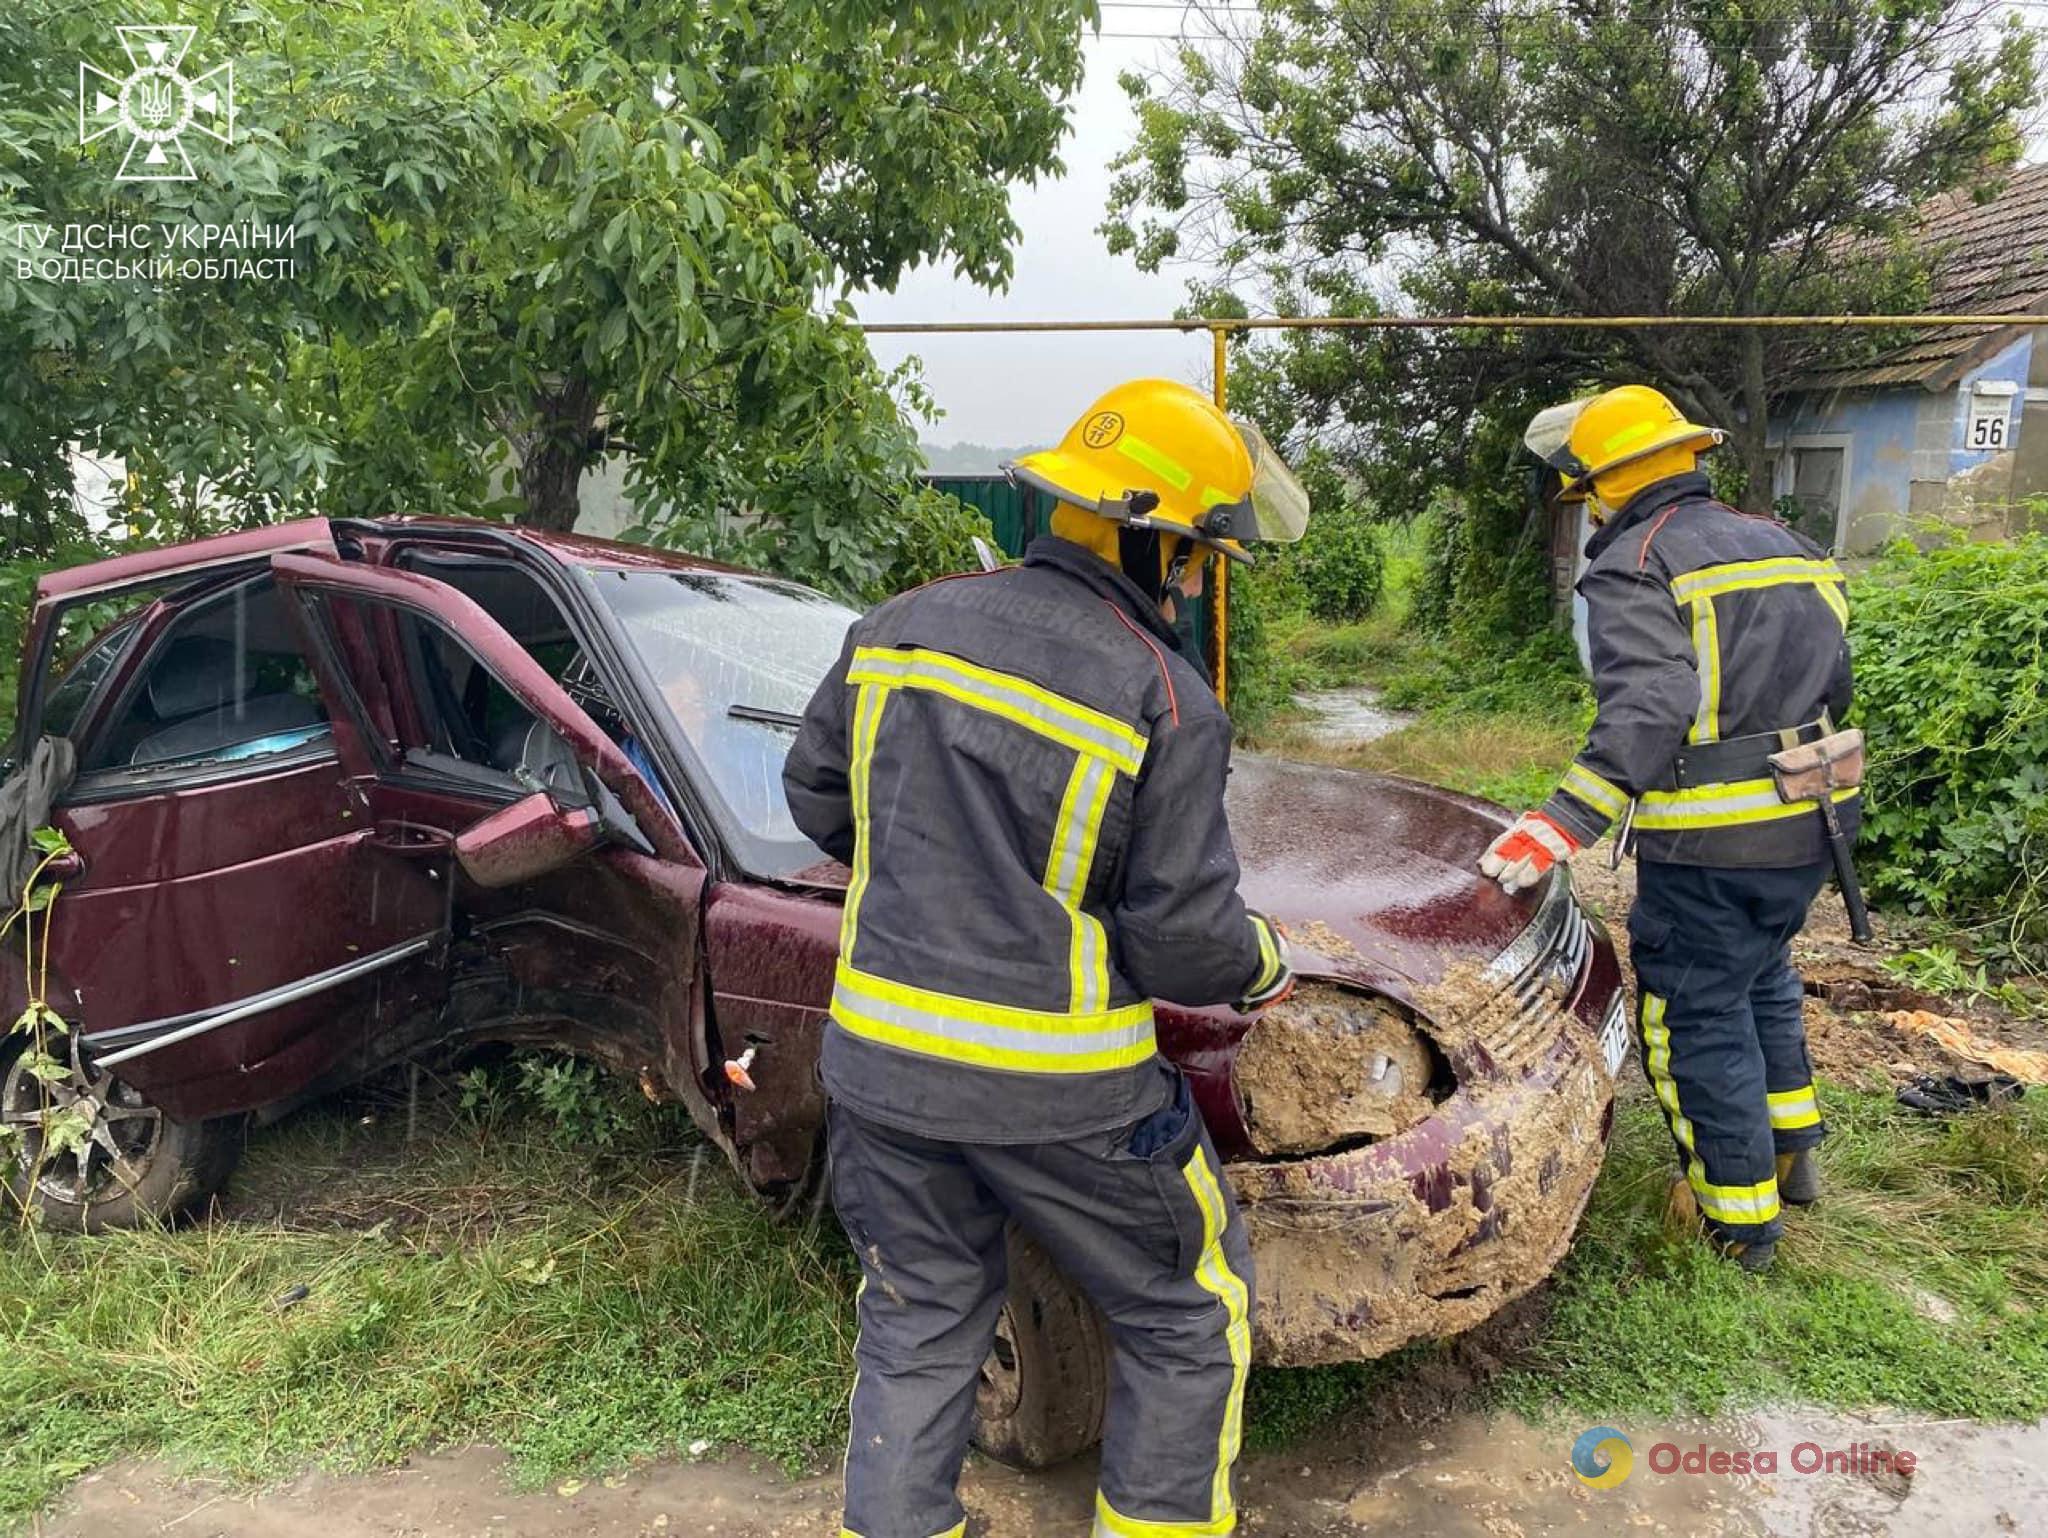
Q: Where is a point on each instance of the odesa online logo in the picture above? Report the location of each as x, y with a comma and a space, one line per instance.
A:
1602, 1457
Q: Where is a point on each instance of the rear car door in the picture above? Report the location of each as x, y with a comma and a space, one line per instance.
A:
233, 925
456, 732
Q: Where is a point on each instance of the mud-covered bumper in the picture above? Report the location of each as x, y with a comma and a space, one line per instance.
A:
1427, 1233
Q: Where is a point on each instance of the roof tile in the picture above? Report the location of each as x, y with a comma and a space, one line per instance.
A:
1987, 257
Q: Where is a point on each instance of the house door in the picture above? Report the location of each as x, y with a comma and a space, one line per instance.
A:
1817, 493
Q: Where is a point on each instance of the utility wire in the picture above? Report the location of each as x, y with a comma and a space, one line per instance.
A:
1465, 322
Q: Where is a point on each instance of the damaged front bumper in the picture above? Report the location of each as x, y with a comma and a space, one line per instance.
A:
1358, 1253
1427, 1233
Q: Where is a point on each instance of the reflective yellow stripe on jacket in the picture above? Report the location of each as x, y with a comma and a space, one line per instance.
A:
1017, 700
1597, 791
1697, 591
1726, 805
1088, 1036
990, 1035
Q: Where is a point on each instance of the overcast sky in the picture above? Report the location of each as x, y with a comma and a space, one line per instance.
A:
1025, 389
1009, 390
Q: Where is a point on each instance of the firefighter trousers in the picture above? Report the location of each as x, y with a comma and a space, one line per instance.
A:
1719, 1016
1138, 1218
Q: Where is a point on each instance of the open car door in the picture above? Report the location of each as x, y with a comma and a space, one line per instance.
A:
206, 809
573, 898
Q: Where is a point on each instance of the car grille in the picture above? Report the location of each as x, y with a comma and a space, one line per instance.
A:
1542, 969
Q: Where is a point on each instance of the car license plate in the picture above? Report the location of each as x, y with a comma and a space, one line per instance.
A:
1614, 1034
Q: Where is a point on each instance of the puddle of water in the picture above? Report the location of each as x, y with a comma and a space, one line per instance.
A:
1345, 717
1503, 1478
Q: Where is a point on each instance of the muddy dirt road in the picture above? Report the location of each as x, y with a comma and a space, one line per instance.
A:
1463, 1477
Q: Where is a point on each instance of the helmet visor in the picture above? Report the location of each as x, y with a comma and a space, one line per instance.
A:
1279, 501
1549, 435
1549, 438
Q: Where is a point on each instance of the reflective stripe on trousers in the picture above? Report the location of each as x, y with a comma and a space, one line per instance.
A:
1152, 1236
1794, 1109
1735, 1204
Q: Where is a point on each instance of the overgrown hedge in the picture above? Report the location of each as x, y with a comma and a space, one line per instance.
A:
1951, 651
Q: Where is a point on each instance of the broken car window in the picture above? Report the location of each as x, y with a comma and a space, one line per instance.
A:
225, 683
736, 659
68, 698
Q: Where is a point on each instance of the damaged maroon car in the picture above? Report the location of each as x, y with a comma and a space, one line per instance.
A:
349, 793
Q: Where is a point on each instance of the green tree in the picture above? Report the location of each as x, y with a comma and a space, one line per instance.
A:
533, 234
1598, 157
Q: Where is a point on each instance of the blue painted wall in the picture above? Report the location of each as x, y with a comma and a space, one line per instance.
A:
2011, 364
1897, 436
1877, 468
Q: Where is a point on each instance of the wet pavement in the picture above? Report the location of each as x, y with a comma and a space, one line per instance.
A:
1467, 1476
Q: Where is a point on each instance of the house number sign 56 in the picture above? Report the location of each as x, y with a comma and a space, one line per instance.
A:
1990, 423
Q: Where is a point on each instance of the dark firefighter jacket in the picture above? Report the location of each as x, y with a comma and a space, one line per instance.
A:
1025, 778
1716, 639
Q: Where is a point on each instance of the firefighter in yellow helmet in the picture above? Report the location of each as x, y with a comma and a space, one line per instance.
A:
1716, 641
1025, 777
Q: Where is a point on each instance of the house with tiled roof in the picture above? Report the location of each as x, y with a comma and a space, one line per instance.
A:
1949, 423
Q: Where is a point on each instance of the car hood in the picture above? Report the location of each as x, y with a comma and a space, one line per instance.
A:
1376, 879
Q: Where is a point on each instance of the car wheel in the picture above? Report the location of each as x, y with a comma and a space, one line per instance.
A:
1044, 1386
136, 1165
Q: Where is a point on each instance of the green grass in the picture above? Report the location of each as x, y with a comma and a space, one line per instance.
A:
498, 1282
1502, 727
1499, 721
1917, 1214
580, 1311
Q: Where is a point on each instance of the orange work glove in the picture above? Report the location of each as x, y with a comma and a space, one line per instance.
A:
1523, 855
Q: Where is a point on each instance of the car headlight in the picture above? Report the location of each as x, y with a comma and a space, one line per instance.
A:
1331, 1068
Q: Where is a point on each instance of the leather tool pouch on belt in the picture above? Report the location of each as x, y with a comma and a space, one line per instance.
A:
1813, 771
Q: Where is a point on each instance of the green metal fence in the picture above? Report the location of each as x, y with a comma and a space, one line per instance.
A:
1019, 514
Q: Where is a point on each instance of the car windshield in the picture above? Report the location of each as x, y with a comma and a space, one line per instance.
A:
736, 659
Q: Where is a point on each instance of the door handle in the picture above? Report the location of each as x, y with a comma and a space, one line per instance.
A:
66, 867
415, 840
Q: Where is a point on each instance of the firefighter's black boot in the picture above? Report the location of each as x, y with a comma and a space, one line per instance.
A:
1754, 1258
1798, 1178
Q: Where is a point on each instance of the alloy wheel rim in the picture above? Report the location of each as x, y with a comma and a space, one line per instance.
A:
124, 1133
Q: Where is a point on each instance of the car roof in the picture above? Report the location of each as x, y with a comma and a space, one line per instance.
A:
171, 562
572, 549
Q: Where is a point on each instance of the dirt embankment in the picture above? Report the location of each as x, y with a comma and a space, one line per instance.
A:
1416, 1472
1864, 1026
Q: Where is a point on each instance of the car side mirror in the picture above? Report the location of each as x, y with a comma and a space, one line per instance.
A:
615, 825
525, 841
